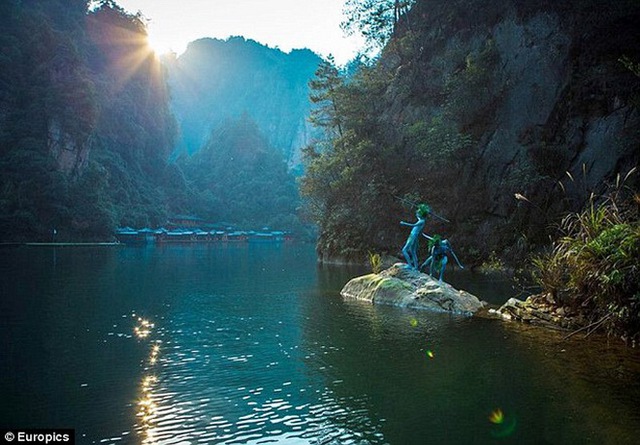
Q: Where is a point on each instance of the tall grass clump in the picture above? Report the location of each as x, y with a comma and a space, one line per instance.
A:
375, 261
593, 268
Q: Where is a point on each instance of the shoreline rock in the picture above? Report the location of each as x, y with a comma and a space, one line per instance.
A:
404, 287
537, 311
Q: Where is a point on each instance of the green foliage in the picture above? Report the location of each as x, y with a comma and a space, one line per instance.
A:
375, 20
326, 89
367, 155
594, 266
551, 273
423, 120
31, 204
473, 92
84, 136
350, 167
438, 143
629, 64
493, 264
93, 213
239, 177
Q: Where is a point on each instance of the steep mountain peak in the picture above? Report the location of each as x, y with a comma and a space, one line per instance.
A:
217, 79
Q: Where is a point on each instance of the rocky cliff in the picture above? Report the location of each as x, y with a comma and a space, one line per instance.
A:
543, 90
502, 115
216, 80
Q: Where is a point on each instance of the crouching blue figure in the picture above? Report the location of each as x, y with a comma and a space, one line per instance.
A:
439, 252
410, 249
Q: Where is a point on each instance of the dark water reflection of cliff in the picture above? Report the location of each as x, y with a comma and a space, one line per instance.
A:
252, 344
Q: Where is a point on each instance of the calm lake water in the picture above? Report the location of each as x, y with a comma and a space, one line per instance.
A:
252, 344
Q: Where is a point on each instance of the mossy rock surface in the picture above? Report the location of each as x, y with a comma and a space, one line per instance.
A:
404, 287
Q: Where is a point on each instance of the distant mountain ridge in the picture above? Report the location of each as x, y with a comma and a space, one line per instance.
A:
219, 79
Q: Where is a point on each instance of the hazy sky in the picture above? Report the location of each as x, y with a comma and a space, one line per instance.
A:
286, 24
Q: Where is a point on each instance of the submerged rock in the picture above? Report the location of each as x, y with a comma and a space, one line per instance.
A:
405, 287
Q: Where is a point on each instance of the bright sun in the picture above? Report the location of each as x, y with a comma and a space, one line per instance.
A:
162, 43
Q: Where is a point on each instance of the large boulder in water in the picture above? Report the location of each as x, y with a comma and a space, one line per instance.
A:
402, 286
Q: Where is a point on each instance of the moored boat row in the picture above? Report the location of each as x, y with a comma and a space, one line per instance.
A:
144, 236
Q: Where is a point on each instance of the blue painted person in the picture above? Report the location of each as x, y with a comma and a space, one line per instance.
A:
439, 252
410, 249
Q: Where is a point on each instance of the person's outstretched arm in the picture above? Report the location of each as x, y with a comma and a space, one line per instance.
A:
456, 258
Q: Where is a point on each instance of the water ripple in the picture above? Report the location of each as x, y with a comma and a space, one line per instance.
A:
224, 385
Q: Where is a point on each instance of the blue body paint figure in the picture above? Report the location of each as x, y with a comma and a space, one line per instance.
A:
410, 249
439, 252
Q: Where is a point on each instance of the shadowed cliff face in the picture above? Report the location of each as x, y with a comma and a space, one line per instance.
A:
548, 119
216, 80
479, 101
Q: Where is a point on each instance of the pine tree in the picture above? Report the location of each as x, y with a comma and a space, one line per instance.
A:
375, 20
325, 94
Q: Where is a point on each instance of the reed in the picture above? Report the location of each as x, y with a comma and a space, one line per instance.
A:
375, 261
594, 266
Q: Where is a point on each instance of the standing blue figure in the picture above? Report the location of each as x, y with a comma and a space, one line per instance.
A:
439, 252
410, 249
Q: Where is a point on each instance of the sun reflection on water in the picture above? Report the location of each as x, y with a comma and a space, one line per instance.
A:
144, 328
147, 411
155, 350
147, 408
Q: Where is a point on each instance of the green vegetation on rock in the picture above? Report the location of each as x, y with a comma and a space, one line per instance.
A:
593, 268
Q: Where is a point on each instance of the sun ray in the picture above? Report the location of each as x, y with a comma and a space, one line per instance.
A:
124, 42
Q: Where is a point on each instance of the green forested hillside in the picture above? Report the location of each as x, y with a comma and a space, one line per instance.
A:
85, 127
501, 115
87, 134
238, 176
215, 80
